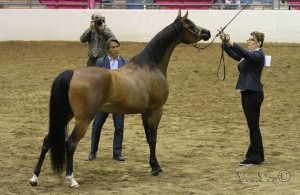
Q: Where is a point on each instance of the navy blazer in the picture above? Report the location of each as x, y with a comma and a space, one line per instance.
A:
250, 66
104, 62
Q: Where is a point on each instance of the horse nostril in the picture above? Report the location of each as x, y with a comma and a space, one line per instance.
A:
205, 34
208, 33
204, 31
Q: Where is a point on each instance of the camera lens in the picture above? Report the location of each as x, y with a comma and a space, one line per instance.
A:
98, 22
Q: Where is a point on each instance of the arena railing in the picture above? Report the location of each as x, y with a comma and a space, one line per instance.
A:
148, 4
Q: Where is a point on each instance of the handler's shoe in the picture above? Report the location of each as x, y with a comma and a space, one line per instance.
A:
119, 158
246, 163
92, 156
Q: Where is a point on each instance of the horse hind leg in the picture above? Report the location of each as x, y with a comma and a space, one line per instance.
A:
34, 179
71, 144
151, 122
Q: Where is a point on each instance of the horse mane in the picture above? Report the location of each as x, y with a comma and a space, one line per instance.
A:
159, 44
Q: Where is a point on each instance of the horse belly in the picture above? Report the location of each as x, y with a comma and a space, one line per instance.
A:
125, 106
133, 103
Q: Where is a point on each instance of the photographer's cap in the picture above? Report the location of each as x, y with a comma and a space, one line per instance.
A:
96, 16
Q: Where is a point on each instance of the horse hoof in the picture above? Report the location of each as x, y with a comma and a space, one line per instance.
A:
75, 185
33, 180
156, 172
33, 183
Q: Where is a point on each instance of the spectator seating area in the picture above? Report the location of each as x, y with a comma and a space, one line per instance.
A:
91, 4
226, 4
141, 4
293, 4
152, 4
185, 4
132, 4
69, 4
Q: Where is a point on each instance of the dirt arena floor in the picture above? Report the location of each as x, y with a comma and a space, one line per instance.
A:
201, 139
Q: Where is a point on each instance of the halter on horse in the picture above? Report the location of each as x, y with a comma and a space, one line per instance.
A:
138, 87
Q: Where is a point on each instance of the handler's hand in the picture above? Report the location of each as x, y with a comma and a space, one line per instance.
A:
92, 25
222, 35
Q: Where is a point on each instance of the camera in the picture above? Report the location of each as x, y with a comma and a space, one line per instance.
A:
99, 22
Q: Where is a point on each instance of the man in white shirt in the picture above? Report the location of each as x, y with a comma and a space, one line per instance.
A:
110, 61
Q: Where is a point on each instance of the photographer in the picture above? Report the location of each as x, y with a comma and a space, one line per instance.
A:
96, 36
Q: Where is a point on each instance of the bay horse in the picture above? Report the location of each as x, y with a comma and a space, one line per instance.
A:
140, 86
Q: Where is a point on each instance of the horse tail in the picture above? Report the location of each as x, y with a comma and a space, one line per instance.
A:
59, 116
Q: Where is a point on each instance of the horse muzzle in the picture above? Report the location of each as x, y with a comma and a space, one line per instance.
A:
205, 34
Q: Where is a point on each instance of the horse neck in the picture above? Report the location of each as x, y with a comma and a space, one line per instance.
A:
160, 48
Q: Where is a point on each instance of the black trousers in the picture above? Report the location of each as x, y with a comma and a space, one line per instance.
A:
251, 102
118, 135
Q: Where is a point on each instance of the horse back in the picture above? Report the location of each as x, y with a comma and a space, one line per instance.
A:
136, 89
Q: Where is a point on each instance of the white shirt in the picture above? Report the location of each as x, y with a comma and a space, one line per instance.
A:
114, 63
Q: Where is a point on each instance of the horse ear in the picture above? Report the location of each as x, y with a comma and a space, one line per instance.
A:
185, 16
179, 14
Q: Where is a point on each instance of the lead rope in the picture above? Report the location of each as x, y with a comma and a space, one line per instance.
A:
222, 60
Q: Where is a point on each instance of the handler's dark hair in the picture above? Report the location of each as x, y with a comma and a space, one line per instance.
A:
109, 41
260, 37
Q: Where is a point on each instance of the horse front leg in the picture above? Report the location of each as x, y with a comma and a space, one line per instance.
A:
71, 144
150, 122
46, 145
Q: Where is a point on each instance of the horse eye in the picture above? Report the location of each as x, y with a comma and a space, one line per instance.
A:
196, 30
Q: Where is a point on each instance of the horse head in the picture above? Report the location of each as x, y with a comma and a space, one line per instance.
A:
192, 33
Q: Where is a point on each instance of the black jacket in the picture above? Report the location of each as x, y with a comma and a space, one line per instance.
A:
250, 66
104, 62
